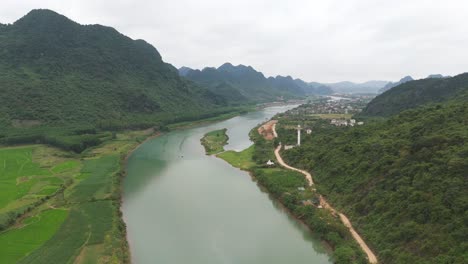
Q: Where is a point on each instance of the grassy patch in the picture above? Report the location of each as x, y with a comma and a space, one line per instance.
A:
215, 141
242, 160
17, 243
65, 166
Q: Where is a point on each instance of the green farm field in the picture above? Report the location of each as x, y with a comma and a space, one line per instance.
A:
63, 207
26, 180
16, 243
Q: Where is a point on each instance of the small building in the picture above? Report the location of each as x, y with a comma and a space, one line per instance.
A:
270, 163
286, 147
339, 122
301, 189
360, 123
309, 131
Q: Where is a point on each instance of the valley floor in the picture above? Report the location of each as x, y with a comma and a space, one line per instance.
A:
61, 207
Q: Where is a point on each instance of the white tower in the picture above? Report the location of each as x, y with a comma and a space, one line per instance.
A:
298, 135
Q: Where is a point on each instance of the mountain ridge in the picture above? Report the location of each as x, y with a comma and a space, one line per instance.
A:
416, 93
390, 85
55, 72
252, 83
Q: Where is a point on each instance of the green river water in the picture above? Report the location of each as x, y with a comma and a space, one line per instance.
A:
181, 206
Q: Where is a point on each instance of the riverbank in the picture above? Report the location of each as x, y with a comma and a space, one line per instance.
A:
82, 183
176, 211
293, 191
243, 160
83, 190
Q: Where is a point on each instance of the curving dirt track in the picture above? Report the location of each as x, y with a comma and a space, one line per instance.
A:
370, 255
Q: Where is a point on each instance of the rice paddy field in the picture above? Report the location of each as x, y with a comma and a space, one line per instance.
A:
61, 207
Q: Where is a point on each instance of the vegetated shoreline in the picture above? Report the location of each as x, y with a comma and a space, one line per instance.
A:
223, 141
124, 162
123, 173
325, 243
329, 245
179, 126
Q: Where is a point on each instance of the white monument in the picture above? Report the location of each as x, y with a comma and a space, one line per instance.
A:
298, 135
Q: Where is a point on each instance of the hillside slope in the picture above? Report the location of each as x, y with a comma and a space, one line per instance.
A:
402, 181
416, 93
55, 71
390, 85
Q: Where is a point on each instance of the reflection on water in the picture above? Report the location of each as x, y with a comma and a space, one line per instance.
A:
181, 206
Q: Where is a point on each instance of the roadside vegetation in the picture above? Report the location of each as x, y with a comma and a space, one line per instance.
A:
215, 141
291, 189
401, 180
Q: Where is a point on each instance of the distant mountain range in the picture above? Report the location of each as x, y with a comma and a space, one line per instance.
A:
240, 78
246, 83
352, 88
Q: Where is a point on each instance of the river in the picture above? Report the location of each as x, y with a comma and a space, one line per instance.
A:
181, 206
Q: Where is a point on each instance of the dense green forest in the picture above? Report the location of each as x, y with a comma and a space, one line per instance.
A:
412, 94
62, 83
402, 181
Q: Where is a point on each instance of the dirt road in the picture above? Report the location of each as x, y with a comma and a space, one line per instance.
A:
282, 163
370, 255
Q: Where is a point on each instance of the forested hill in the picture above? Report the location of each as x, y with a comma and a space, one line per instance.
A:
245, 81
55, 72
416, 93
402, 181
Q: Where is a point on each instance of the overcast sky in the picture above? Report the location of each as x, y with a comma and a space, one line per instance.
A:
326, 40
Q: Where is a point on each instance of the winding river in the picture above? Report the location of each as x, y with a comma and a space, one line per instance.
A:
181, 206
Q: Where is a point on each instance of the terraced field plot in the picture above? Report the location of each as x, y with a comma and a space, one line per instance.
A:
18, 174
26, 180
18, 242
62, 207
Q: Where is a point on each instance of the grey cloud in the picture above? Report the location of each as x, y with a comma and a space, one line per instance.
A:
315, 40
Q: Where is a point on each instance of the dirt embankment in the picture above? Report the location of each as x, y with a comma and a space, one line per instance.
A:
267, 130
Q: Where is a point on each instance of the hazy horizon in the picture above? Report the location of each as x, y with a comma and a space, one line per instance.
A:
358, 40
